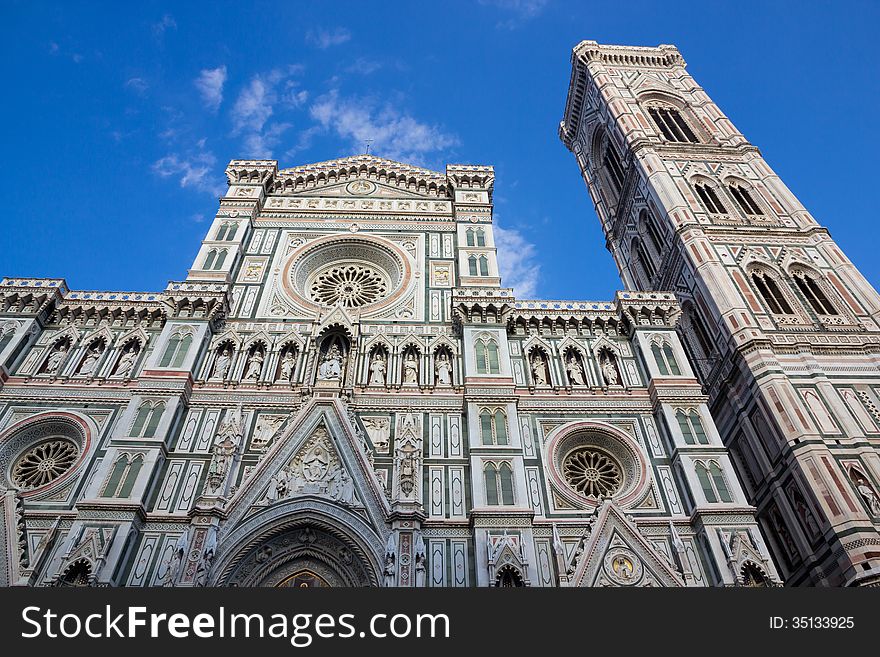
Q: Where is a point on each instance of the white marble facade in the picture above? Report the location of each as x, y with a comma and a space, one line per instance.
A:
341, 392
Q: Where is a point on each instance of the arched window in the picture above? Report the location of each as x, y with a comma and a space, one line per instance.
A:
484, 266
133, 469
648, 226
227, 232
645, 260
115, 477
611, 162
814, 294
672, 125
709, 198
691, 427
499, 484
472, 265
769, 290
123, 476
476, 237
487, 357
221, 258
665, 358
712, 481
493, 427
505, 473
146, 421
490, 476
744, 199
209, 260
176, 350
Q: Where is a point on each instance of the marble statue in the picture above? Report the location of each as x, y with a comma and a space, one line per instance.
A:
90, 362
609, 370
410, 368
868, 495
443, 370
56, 358
287, 365
126, 362
331, 366
377, 370
539, 371
254, 367
221, 366
575, 371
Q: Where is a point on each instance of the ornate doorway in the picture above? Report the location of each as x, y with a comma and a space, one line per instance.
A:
308, 556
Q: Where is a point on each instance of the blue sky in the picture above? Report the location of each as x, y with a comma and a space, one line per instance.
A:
119, 118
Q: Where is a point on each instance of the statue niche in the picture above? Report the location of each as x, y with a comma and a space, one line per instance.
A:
223, 361
89, 365
254, 367
56, 357
610, 367
410, 366
442, 367
538, 367
333, 357
378, 367
574, 368
125, 365
287, 364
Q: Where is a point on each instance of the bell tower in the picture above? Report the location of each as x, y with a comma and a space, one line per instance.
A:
781, 328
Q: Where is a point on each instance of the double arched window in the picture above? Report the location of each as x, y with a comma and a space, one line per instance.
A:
691, 427
744, 199
176, 350
486, 350
478, 265
476, 237
227, 231
813, 293
613, 167
214, 260
709, 198
665, 358
499, 484
769, 289
493, 427
123, 476
671, 124
146, 421
712, 481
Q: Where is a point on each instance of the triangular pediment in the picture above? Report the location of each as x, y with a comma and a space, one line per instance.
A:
317, 456
616, 554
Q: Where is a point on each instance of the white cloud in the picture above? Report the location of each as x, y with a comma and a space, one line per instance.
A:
167, 23
210, 85
363, 66
517, 262
256, 104
394, 135
137, 85
324, 39
196, 169
518, 11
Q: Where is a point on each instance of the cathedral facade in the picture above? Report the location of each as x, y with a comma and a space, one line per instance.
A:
342, 393
780, 328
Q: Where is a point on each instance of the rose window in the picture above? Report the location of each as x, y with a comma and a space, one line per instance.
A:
44, 463
349, 285
592, 473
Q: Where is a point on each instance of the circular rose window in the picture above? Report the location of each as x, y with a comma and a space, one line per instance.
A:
591, 460
351, 285
353, 271
592, 473
44, 463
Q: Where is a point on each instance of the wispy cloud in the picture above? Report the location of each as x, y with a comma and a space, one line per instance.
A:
517, 261
324, 39
516, 12
210, 85
196, 169
166, 23
394, 134
137, 85
362, 66
257, 103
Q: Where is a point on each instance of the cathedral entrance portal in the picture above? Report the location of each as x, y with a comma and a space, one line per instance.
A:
307, 556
